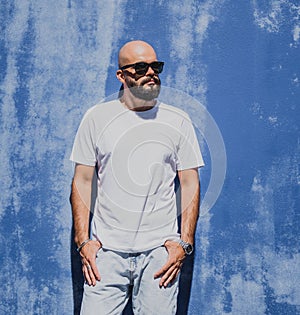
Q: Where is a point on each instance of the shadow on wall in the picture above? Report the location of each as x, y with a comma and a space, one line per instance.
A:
185, 280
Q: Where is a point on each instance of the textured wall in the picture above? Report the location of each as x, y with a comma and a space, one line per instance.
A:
240, 59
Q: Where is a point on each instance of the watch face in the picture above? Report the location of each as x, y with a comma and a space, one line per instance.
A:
189, 249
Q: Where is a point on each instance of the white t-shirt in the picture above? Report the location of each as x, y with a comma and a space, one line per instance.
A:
137, 155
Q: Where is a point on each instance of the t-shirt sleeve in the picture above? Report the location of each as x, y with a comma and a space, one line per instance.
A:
188, 154
84, 147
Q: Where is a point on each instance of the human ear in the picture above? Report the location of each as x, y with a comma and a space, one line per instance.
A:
120, 76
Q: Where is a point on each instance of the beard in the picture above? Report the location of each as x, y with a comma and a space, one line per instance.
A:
141, 90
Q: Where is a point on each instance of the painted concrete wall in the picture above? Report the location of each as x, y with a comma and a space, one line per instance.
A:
238, 61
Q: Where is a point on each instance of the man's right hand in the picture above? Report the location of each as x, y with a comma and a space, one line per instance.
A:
88, 255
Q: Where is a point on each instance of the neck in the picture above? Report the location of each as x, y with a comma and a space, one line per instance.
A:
136, 104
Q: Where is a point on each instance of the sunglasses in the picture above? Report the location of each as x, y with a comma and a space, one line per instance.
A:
141, 68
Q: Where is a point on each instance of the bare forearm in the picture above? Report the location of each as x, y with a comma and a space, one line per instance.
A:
190, 198
80, 201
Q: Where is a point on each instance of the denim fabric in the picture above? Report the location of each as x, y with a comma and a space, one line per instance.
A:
123, 274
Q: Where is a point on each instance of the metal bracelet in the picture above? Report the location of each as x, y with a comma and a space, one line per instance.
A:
82, 244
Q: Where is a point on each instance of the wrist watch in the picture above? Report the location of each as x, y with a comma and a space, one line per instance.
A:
187, 247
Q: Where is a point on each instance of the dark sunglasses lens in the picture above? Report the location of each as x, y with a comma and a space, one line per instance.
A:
141, 68
157, 66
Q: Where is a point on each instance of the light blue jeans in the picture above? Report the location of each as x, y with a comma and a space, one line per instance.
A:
122, 271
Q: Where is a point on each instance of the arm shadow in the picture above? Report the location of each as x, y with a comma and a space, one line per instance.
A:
76, 269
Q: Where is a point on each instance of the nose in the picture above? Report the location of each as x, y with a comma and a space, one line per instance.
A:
150, 71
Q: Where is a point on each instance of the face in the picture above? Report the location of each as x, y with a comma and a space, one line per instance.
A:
142, 80
145, 87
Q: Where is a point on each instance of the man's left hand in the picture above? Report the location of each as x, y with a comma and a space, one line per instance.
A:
171, 268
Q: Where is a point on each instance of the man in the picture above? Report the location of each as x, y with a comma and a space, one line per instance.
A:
137, 146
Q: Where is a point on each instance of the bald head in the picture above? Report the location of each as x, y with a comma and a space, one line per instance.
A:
136, 51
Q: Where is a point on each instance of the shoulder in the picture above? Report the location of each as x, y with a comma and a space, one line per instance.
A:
173, 111
100, 108
102, 111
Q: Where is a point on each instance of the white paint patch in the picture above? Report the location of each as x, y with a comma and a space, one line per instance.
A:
257, 110
273, 120
270, 19
295, 80
279, 270
247, 296
190, 25
262, 201
10, 133
272, 15
296, 33
256, 185
284, 277
268, 274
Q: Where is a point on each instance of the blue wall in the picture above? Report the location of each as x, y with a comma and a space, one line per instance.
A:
239, 59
